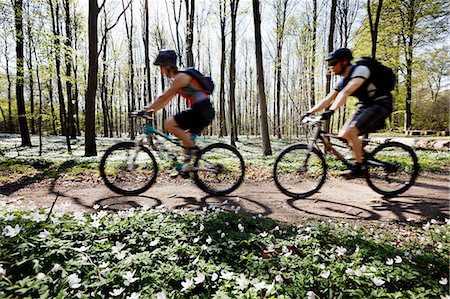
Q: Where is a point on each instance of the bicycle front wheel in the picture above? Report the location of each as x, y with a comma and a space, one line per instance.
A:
392, 168
298, 175
219, 169
127, 170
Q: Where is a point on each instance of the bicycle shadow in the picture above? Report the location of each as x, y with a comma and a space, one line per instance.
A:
227, 202
339, 210
432, 208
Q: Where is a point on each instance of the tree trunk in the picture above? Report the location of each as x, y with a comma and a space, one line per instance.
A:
10, 100
30, 72
222, 120
24, 134
90, 146
267, 150
148, 87
103, 89
62, 106
68, 56
330, 49
374, 26
312, 70
232, 111
132, 105
190, 14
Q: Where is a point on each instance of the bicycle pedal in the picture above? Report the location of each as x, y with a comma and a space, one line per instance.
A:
185, 175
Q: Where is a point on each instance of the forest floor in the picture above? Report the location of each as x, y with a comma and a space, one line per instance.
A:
338, 198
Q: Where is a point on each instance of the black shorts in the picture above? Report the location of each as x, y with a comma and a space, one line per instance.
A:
196, 118
369, 119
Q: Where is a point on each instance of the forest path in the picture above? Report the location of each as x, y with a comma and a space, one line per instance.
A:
338, 198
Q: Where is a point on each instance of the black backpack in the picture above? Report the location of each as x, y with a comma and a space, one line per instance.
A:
206, 82
380, 75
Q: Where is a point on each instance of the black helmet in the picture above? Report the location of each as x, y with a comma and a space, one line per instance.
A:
340, 54
166, 57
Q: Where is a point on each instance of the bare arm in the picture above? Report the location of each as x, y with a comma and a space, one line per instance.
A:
325, 102
342, 96
181, 80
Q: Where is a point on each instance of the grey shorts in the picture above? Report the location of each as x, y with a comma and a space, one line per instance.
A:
369, 119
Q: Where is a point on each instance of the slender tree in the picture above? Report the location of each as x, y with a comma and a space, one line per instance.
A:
222, 118
374, 24
18, 17
190, 15
267, 150
234, 4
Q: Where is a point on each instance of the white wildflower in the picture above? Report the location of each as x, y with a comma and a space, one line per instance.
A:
241, 227
325, 274
135, 295
222, 235
311, 295
241, 281
358, 272
40, 276
226, 275
154, 242
74, 281
389, 262
204, 247
214, 277
377, 281
37, 217
398, 259
263, 234
340, 250
186, 284
81, 249
161, 295
117, 248
116, 292
426, 226
196, 240
96, 206
202, 227
56, 268
2, 271
349, 272
278, 278
199, 278
10, 231
443, 281
129, 276
259, 286
44, 234
209, 240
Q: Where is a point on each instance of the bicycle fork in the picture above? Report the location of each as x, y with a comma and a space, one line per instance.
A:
311, 143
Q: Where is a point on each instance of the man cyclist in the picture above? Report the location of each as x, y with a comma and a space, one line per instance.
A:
375, 104
194, 119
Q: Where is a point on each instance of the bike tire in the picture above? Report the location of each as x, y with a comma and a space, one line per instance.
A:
403, 172
291, 180
228, 163
112, 167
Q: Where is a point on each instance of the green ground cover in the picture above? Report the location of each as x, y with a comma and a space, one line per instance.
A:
159, 253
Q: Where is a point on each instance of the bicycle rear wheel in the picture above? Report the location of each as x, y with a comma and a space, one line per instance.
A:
297, 177
124, 176
392, 168
218, 169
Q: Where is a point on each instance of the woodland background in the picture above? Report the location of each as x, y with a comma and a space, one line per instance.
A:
78, 67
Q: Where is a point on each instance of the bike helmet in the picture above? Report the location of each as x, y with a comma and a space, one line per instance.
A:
340, 54
166, 57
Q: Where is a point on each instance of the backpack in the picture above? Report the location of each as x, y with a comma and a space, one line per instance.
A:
206, 82
380, 75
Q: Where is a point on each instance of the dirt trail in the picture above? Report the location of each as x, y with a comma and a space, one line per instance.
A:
338, 198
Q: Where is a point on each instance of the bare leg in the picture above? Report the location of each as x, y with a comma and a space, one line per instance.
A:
172, 126
351, 134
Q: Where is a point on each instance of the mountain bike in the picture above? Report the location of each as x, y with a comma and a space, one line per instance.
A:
130, 168
300, 170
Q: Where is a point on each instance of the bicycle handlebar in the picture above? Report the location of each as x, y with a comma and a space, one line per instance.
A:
312, 119
142, 113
